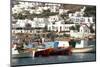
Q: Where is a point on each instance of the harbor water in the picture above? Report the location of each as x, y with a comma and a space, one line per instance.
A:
76, 57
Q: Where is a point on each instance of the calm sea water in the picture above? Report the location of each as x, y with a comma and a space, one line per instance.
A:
76, 57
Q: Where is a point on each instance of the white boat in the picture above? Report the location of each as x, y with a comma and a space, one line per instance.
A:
22, 55
83, 47
83, 50
16, 54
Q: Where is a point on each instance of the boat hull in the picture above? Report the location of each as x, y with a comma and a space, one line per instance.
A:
53, 51
82, 50
22, 55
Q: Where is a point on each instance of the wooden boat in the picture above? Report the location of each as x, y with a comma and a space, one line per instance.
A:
53, 51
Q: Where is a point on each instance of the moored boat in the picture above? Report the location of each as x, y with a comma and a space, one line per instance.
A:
26, 53
53, 51
21, 55
82, 50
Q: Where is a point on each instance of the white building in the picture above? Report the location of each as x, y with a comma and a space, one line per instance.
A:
39, 10
53, 7
84, 29
23, 31
36, 22
86, 20
78, 17
46, 7
40, 22
83, 32
59, 26
54, 18
16, 9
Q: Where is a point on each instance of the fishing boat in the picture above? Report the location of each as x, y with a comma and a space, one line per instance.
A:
52, 51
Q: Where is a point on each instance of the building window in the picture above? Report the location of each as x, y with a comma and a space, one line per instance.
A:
63, 22
13, 31
49, 28
82, 20
30, 31
88, 20
71, 20
56, 27
53, 23
53, 27
77, 20
28, 25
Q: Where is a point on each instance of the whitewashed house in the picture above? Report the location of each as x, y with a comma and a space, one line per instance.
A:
14, 31
46, 7
39, 22
83, 32
21, 23
53, 7
62, 11
39, 10
59, 26
54, 18
84, 20
84, 29
16, 9
78, 17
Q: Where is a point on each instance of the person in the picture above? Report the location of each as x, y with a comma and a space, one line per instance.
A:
42, 40
38, 41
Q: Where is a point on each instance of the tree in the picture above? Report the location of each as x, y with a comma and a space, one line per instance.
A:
90, 11
77, 27
45, 28
91, 28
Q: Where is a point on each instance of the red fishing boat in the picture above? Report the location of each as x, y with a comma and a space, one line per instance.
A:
53, 51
